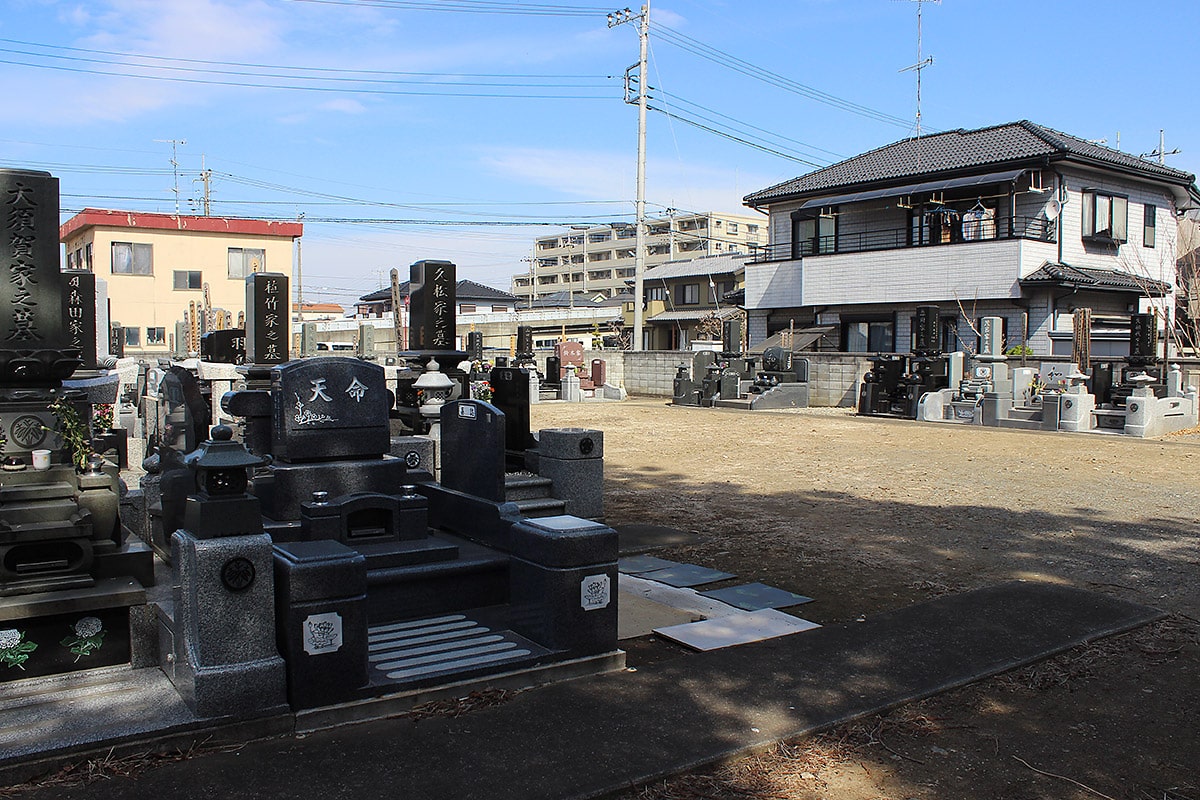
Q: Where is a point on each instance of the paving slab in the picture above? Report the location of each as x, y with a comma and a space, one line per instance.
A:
682, 575
736, 629
588, 737
757, 596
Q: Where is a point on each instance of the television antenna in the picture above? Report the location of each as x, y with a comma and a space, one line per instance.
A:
922, 61
175, 145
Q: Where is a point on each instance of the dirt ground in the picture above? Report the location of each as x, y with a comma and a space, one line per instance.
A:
869, 514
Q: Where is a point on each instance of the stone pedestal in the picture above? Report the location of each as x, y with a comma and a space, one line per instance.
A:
564, 584
571, 390
1075, 407
222, 647
573, 459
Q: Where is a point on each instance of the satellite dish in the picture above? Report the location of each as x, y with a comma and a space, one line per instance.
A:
1053, 209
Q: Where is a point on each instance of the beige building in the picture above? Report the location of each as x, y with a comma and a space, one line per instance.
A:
599, 259
156, 265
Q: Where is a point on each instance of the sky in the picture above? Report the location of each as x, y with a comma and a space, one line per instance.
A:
461, 130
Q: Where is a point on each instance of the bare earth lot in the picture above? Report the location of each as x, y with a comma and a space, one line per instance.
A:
867, 515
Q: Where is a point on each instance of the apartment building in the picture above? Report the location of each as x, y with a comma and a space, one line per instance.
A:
599, 259
156, 265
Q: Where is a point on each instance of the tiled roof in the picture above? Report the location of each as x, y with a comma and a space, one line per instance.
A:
727, 264
463, 290
1091, 278
963, 150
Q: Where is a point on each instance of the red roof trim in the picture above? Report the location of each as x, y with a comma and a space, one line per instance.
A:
97, 217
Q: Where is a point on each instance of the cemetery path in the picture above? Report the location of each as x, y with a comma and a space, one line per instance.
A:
868, 515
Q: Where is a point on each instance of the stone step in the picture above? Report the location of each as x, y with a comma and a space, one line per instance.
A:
732, 403
526, 487
541, 507
441, 647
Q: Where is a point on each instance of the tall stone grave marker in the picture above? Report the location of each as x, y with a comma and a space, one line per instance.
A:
268, 332
31, 285
79, 309
431, 305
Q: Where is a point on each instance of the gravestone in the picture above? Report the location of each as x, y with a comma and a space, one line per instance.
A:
731, 336
327, 408
431, 305
79, 309
268, 332
553, 371
927, 339
116, 340
569, 353
475, 345
473, 437
37, 345
308, 339
524, 343
510, 394
224, 347
366, 341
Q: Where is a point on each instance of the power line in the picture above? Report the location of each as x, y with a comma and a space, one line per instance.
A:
469, 6
721, 58
337, 89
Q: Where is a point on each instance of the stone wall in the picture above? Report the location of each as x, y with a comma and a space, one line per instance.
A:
834, 378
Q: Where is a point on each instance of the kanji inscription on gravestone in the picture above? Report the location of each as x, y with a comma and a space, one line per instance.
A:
330, 407
79, 308
267, 327
431, 305
30, 280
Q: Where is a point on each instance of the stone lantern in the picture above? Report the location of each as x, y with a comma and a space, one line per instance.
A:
221, 506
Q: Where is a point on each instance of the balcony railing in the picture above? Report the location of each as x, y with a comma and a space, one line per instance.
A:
1037, 229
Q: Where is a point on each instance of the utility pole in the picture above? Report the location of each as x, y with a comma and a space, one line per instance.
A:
206, 181
175, 143
299, 268
639, 257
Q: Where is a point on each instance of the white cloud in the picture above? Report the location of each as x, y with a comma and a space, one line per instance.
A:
345, 105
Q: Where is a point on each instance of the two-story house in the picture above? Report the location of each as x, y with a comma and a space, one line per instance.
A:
679, 295
1017, 221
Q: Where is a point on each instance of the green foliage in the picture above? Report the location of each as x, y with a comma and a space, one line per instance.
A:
1019, 350
73, 432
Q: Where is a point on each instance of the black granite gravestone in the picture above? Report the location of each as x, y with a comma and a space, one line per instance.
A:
431, 305
224, 347
473, 434
524, 342
475, 346
510, 394
267, 320
36, 346
79, 310
331, 407
116, 341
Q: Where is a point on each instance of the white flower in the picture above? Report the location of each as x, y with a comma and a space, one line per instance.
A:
88, 627
9, 638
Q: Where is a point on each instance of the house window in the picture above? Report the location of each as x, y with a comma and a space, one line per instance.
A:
244, 261
655, 293
156, 335
466, 308
751, 230
188, 279
87, 256
691, 294
1149, 213
1105, 217
869, 336
132, 259
133, 337
813, 233
733, 227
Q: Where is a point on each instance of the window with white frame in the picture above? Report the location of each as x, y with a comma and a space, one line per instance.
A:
1105, 216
